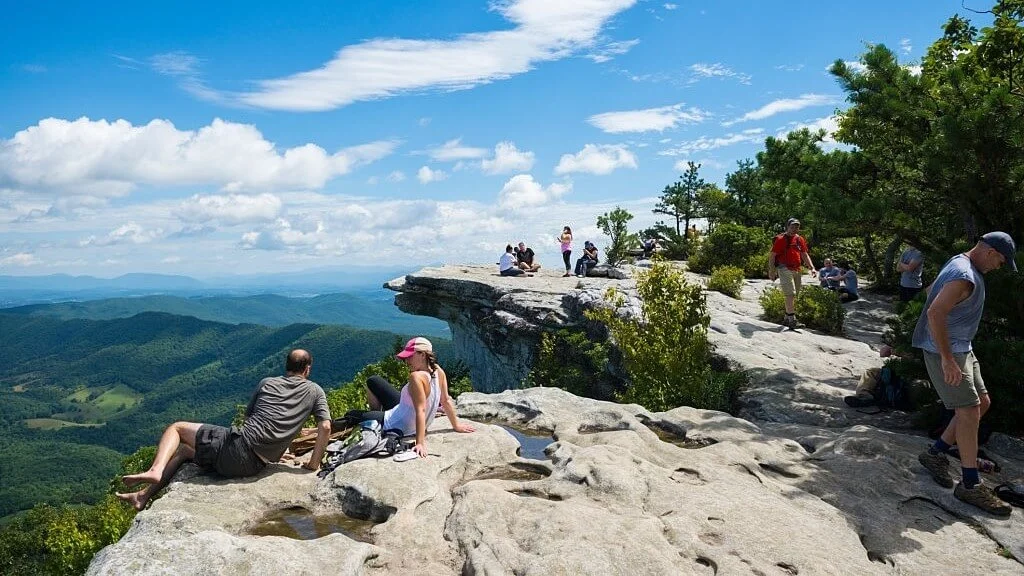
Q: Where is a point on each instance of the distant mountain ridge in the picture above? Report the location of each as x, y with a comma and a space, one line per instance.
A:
372, 310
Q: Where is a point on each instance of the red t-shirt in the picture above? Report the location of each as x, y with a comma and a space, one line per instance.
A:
788, 250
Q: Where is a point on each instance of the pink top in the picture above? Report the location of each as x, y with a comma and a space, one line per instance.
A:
566, 244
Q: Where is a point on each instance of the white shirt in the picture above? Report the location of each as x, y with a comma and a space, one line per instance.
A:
507, 260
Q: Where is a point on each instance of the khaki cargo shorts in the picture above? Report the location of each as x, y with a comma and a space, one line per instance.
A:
971, 388
789, 280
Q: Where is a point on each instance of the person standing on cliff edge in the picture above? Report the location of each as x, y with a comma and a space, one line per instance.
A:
789, 251
944, 331
276, 412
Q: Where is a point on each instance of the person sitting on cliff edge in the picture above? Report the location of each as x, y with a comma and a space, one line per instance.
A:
276, 412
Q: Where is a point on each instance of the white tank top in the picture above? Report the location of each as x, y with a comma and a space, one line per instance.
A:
403, 416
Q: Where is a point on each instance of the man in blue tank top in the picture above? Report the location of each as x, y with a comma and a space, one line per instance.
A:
944, 332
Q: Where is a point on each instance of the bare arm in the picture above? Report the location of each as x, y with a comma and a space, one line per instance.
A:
419, 403
323, 435
907, 267
951, 294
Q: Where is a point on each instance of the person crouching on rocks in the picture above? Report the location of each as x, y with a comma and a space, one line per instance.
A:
413, 409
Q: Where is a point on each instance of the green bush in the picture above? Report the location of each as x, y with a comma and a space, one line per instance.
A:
666, 352
352, 394
572, 361
816, 307
726, 279
733, 245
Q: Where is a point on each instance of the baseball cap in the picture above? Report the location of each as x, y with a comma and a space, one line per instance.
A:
792, 221
418, 344
1002, 243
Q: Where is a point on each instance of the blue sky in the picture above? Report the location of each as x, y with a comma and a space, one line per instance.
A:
251, 137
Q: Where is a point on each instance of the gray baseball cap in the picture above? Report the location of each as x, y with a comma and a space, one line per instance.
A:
792, 221
1002, 243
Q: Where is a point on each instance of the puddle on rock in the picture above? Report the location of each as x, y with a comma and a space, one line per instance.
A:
531, 442
681, 441
301, 524
517, 471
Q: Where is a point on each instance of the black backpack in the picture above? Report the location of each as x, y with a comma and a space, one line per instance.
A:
892, 391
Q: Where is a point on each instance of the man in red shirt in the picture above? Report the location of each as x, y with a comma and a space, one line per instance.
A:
789, 251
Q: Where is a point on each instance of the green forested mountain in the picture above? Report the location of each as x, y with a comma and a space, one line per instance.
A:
75, 395
362, 310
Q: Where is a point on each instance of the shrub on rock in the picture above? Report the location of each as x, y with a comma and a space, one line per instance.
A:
726, 279
816, 307
733, 245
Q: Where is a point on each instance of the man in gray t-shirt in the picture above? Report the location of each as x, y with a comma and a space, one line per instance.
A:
948, 323
276, 412
910, 266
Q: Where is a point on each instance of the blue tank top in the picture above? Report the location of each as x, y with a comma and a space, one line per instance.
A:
962, 322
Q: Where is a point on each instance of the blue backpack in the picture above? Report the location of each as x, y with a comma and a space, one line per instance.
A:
892, 391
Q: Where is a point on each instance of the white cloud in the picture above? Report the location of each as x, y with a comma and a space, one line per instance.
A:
454, 150
19, 259
790, 67
34, 68
284, 234
705, 143
105, 159
171, 260
669, 6
425, 175
648, 119
522, 192
716, 70
396, 176
597, 159
380, 68
829, 124
230, 209
130, 233
914, 70
682, 165
784, 105
185, 68
611, 50
905, 46
507, 158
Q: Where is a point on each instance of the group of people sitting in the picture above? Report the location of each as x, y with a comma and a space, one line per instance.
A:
520, 260
280, 406
841, 278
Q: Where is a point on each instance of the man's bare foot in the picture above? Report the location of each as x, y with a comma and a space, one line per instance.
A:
150, 476
136, 499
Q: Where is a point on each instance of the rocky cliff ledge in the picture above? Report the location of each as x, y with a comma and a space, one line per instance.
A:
803, 485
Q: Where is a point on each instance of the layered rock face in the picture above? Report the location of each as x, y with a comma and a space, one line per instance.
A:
802, 485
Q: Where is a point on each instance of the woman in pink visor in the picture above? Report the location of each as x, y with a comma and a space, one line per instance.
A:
412, 410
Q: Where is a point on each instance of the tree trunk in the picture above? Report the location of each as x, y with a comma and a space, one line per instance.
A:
889, 261
872, 260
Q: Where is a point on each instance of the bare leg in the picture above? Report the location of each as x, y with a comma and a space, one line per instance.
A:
967, 435
139, 499
790, 304
175, 435
949, 434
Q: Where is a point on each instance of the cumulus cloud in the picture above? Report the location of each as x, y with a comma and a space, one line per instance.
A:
284, 234
130, 233
702, 70
649, 119
425, 175
522, 192
395, 176
705, 143
507, 158
784, 105
611, 50
597, 159
103, 159
379, 68
230, 209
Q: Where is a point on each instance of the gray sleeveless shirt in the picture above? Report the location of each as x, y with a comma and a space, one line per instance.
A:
962, 322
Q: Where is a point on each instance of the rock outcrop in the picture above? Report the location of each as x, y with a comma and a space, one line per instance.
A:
802, 485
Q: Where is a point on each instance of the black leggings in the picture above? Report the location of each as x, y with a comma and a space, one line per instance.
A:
566, 258
386, 394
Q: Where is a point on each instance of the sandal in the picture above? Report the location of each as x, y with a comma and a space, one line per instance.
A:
1012, 493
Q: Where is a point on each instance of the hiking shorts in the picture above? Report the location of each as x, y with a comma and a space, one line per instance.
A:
224, 451
789, 280
971, 388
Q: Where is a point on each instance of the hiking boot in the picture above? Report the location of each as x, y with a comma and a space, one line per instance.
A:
938, 466
983, 497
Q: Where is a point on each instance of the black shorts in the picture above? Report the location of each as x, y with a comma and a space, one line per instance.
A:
225, 451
